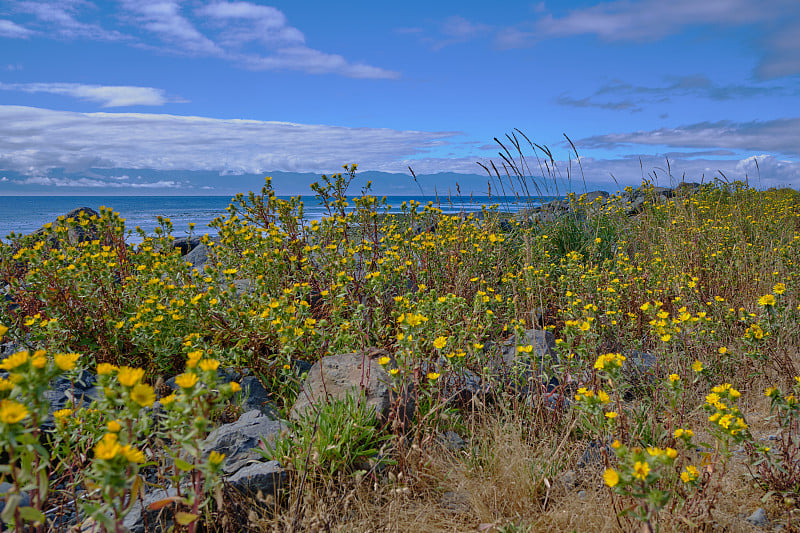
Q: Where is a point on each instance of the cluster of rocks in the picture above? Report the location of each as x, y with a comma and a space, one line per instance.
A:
631, 200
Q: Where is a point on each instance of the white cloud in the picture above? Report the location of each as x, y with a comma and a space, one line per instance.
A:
13, 30
105, 95
59, 18
97, 183
33, 140
250, 35
776, 136
163, 18
653, 19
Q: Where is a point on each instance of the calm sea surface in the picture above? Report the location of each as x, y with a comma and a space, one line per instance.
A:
25, 214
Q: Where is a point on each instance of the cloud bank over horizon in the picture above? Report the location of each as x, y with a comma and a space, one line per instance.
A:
35, 142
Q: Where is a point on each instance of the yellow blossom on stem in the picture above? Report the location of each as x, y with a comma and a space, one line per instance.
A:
12, 412
66, 361
611, 477
128, 377
143, 395
186, 380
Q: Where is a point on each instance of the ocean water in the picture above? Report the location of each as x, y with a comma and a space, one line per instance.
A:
25, 214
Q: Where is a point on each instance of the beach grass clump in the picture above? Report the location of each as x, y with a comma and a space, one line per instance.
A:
666, 400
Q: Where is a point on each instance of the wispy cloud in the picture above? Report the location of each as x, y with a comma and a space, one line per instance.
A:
651, 20
163, 18
250, 35
245, 34
60, 19
13, 30
618, 95
780, 136
34, 140
105, 95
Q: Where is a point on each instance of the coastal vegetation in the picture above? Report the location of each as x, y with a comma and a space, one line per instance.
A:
667, 399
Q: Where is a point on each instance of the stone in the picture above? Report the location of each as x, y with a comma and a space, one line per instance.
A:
336, 376
266, 478
640, 371
237, 440
758, 518
5, 487
198, 256
64, 393
452, 441
75, 234
594, 456
254, 396
455, 501
186, 244
157, 520
521, 365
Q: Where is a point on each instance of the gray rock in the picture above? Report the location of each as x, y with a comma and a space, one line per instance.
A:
186, 244
336, 376
266, 478
521, 365
255, 397
595, 455
455, 501
5, 487
452, 441
64, 394
640, 371
157, 520
75, 234
198, 256
237, 439
758, 518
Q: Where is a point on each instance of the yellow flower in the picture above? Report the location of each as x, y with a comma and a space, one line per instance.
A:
611, 477
384, 360
722, 350
215, 458
584, 326
62, 414
166, 400
603, 396
611, 415
779, 288
114, 426
235, 387
104, 369
128, 377
15, 360
672, 453
108, 447
766, 300
207, 365
689, 474
66, 361
440, 342
640, 470
132, 454
697, 366
3, 331
39, 360
674, 378
144, 395
12, 412
433, 376
394, 371
193, 358
186, 380
666, 337
616, 444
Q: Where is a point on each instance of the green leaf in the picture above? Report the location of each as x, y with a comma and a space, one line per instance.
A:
183, 465
184, 518
30, 514
11, 505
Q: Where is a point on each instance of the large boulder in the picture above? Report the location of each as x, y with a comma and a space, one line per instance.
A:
237, 440
76, 233
336, 376
522, 367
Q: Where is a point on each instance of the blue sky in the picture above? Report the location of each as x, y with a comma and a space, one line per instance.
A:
144, 96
